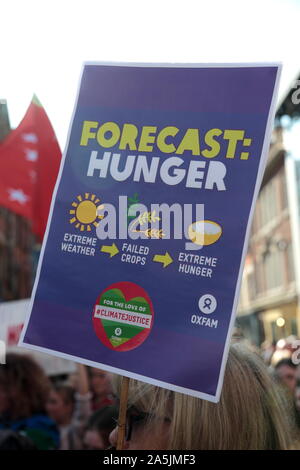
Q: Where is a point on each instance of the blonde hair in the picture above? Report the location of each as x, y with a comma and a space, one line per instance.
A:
251, 414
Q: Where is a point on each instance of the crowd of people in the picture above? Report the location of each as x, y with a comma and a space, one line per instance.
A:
259, 407
36, 411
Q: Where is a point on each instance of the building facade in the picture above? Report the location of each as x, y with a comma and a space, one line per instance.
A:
269, 300
17, 243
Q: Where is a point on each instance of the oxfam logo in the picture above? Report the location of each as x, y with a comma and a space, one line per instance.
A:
207, 304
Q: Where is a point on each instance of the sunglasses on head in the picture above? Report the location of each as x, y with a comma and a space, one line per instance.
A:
135, 417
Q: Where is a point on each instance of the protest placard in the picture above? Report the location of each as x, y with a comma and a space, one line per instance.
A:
142, 260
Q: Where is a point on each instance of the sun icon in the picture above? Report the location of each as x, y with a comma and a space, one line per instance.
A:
85, 212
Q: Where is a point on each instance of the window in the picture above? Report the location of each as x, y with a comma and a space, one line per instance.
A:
259, 278
273, 264
290, 263
268, 203
251, 286
284, 199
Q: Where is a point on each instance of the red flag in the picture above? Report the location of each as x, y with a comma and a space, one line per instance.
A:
29, 163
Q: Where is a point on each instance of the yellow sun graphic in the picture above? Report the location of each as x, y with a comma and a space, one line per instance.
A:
85, 212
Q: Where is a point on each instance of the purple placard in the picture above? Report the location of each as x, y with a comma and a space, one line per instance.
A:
141, 264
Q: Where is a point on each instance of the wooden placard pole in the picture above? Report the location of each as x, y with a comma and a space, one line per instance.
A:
122, 412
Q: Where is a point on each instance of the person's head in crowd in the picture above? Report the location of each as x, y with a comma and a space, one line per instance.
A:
284, 349
99, 427
23, 387
101, 385
285, 372
11, 440
251, 413
60, 404
23, 393
267, 350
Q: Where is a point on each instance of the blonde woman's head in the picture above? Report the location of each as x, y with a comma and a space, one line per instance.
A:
251, 414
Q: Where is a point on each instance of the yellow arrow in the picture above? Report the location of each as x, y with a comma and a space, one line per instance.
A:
111, 249
165, 259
